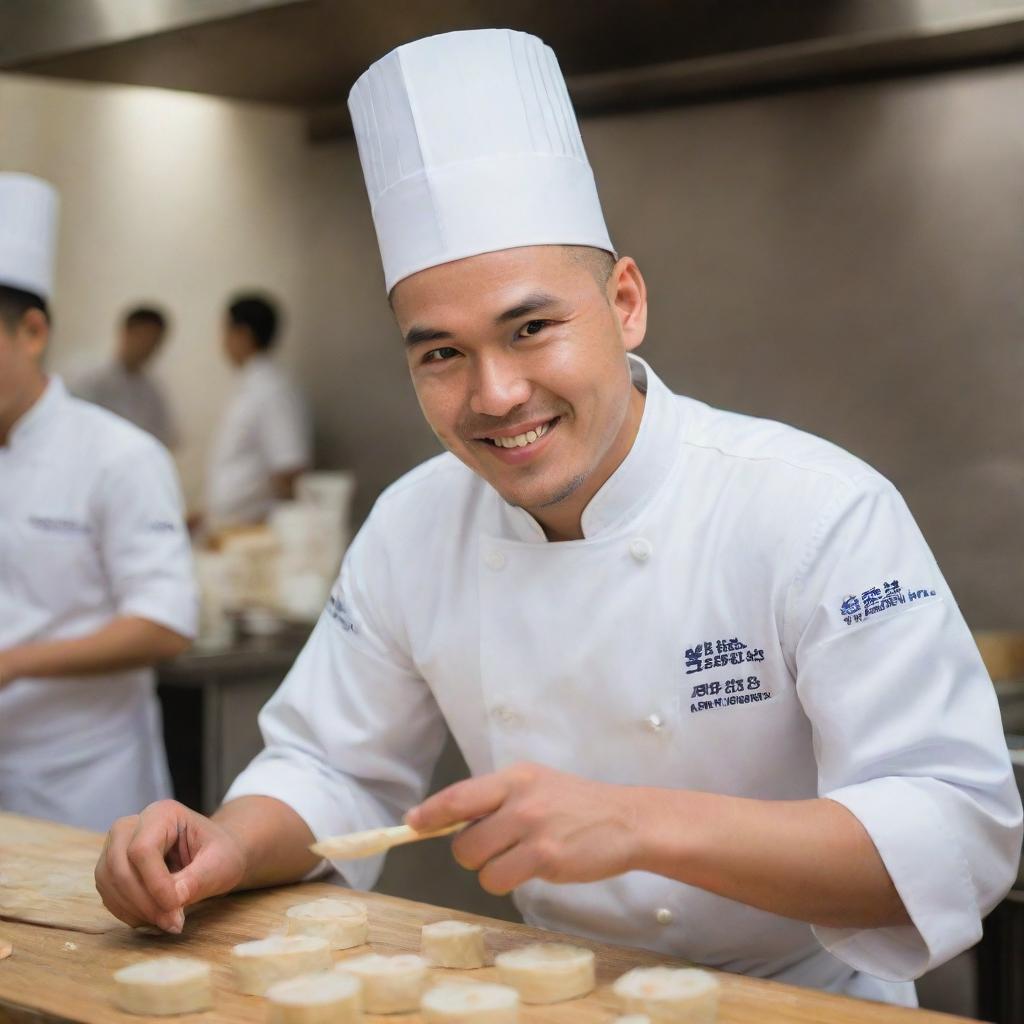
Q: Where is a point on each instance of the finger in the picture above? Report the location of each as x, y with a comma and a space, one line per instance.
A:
462, 801
155, 834
510, 869
484, 840
206, 875
128, 887
120, 910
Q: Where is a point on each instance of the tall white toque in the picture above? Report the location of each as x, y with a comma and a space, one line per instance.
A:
28, 233
469, 144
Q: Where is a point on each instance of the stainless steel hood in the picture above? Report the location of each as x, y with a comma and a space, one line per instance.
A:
307, 53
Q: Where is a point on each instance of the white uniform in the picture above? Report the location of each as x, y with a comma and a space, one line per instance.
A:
751, 612
90, 529
134, 396
265, 430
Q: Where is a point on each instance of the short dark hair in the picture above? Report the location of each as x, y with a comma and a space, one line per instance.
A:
258, 314
16, 302
145, 315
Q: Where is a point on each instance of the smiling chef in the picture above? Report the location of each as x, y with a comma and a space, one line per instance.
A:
95, 567
715, 696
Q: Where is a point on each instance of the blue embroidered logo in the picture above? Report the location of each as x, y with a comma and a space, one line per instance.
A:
341, 615
878, 599
717, 654
52, 524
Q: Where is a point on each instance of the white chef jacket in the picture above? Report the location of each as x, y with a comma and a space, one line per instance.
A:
265, 430
90, 529
751, 612
134, 396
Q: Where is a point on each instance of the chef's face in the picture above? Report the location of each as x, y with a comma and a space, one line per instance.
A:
139, 343
22, 345
518, 359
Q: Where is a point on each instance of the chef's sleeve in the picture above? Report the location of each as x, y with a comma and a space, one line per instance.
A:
145, 546
353, 733
285, 434
906, 728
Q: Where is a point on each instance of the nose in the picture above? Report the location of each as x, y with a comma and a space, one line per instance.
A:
498, 386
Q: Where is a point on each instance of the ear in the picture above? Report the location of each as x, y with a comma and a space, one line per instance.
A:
627, 294
34, 332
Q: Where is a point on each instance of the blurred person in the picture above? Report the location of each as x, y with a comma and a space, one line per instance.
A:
123, 385
95, 569
263, 440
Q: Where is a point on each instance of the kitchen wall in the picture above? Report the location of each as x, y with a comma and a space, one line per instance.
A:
848, 260
166, 197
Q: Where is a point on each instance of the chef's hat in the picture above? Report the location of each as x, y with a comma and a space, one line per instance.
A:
469, 144
28, 233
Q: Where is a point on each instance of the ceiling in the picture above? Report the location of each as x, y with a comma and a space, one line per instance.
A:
307, 53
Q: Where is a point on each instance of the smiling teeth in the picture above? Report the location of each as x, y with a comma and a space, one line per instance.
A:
521, 440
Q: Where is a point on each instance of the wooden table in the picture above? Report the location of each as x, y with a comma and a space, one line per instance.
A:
60, 974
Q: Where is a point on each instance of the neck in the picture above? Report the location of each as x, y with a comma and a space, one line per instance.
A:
564, 520
10, 417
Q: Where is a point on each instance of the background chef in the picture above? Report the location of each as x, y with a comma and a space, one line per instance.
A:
264, 439
702, 666
95, 567
124, 385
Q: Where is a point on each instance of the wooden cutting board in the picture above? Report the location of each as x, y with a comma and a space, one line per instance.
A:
46, 876
60, 975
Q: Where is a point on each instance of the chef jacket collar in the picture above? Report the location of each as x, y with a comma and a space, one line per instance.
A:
32, 425
630, 488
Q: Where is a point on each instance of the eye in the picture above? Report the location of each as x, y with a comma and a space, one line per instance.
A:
528, 330
440, 355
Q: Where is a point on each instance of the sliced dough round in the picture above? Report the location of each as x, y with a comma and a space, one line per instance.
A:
328, 997
343, 923
547, 972
391, 984
163, 986
260, 964
471, 1002
681, 994
453, 944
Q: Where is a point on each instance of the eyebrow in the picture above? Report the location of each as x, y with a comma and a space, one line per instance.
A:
531, 303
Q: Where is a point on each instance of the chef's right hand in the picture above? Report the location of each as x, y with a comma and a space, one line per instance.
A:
156, 863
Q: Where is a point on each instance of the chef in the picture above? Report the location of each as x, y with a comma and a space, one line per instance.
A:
95, 569
714, 694
263, 441
123, 384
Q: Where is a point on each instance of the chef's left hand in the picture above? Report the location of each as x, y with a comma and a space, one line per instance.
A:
534, 822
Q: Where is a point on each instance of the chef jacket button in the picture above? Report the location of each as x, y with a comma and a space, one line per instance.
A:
663, 915
640, 548
495, 560
654, 722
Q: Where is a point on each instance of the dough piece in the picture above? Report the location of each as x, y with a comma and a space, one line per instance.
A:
453, 944
343, 923
260, 964
470, 1003
163, 986
329, 997
391, 984
547, 972
678, 994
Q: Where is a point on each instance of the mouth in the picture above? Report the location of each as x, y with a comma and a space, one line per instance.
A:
524, 438
519, 444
